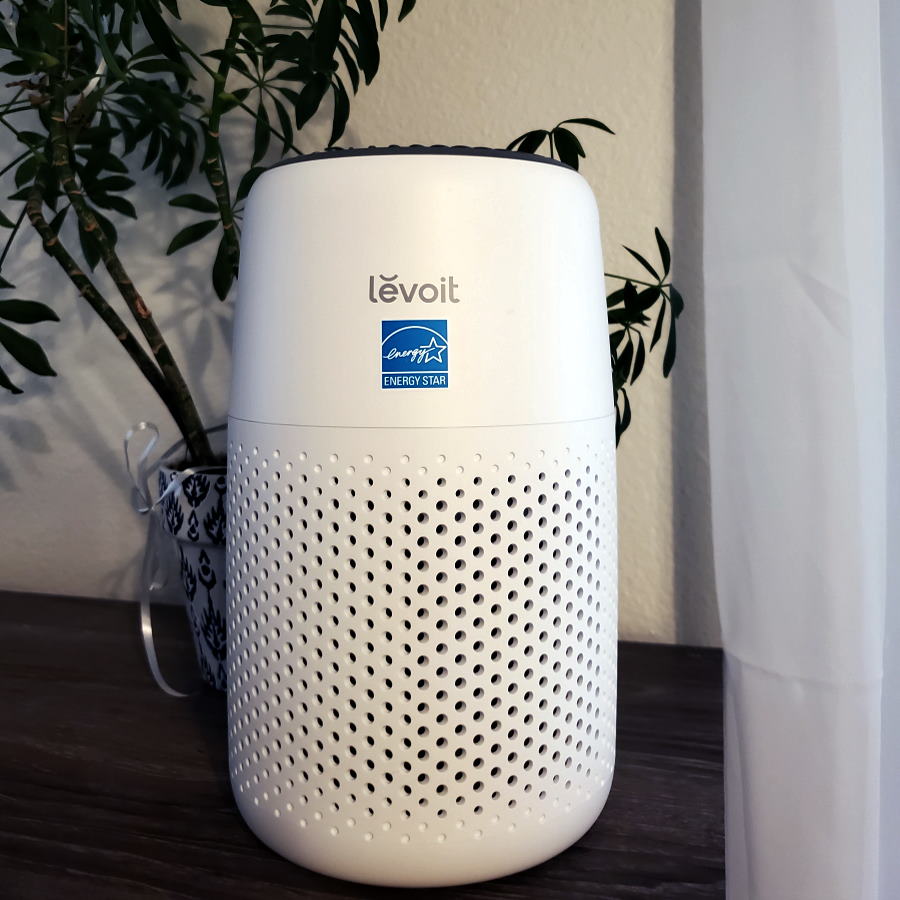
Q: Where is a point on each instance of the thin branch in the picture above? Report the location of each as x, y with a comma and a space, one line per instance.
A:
53, 247
658, 284
189, 419
213, 164
12, 128
10, 102
14, 163
25, 106
12, 237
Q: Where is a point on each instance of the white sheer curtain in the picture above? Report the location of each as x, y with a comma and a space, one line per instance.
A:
801, 119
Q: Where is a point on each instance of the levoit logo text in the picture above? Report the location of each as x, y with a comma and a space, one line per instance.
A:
389, 289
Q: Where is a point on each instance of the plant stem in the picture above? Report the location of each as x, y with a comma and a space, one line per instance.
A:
12, 101
12, 237
212, 151
12, 128
634, 280
18, 109
15, 162
55, 249
188, 419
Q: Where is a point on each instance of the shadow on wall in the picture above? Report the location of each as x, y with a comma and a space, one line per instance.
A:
696, 613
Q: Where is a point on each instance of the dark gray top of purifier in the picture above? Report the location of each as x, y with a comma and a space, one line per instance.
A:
421, 150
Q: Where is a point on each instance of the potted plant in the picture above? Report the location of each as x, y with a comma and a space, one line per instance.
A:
93, 83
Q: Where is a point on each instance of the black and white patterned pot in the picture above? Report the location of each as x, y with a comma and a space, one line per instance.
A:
194, 514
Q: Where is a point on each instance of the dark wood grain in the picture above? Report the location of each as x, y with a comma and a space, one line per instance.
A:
110, 789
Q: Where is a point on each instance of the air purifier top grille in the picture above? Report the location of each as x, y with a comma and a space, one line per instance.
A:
422, 150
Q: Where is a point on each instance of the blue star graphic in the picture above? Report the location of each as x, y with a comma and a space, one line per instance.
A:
433, 351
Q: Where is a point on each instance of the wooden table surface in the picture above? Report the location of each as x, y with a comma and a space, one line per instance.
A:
111, 789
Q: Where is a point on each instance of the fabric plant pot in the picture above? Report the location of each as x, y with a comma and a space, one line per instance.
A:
194, 515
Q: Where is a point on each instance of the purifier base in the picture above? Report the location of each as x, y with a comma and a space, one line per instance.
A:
421, 644
459, 859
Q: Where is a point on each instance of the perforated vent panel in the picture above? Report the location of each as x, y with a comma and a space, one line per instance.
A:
421, 645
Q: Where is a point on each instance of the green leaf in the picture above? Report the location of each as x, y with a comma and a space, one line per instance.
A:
58, 219
119, 204
222, 271
626, 413
17, 67
90, 249
669, 355
622, 316
5, 284
126, 23
623, 361
406, 9
114, 164
26, 312
161, 35
91, 15
6, 41
367, 10
5, 222
6, 383
643, 262
530, 141
261, 134
341, 112
615, 339
366, 50
158, 66
153, 148
25, 351
647, 297
664, 253
107, 227
568, 146
187, 154
615, 298
228, 100
247, 182
657, 330
309, 99
382, 13
287, 127
26, 171
676, 300
246, 15
352, 68
632, 299
299, 9
639, 357
191, 234
594, 123
327, 32
195, 202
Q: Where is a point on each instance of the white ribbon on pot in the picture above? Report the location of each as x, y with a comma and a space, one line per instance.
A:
153, 576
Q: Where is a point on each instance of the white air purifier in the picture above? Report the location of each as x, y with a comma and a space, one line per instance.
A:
422, 515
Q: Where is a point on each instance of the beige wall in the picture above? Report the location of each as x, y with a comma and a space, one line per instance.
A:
456, 71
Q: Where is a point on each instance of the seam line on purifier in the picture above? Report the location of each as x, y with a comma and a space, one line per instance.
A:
421, 427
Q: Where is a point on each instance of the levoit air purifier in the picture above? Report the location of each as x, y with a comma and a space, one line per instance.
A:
421, 515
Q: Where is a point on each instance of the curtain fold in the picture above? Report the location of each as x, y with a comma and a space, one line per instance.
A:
797, 200
890, 700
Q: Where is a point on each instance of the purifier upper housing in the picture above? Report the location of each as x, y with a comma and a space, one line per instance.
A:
422, 517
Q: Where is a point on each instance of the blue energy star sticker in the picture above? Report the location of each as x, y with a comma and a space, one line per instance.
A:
414, 353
